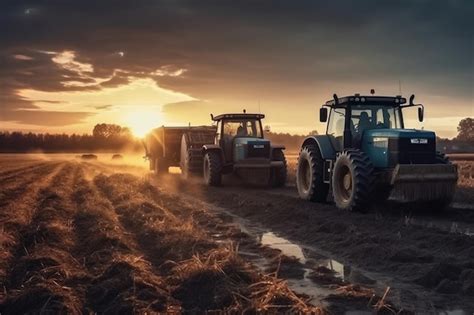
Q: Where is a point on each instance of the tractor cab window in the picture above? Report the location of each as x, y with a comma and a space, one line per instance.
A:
336, 127
387, 118
242, 128
374, 117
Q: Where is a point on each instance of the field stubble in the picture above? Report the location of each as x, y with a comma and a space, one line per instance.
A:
103, 237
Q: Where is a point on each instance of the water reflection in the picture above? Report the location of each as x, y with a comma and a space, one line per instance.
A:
288, 248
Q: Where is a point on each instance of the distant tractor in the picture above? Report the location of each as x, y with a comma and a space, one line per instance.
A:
240, 148
235, 144
367, 155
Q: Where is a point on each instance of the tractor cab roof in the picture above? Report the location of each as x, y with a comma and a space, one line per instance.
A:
237, 116
358, 99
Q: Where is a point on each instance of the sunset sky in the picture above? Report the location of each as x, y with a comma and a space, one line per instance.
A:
67, 65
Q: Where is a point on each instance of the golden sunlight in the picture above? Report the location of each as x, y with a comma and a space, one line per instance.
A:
142, 121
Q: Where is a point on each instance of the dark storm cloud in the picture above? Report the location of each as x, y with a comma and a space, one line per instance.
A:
238, 48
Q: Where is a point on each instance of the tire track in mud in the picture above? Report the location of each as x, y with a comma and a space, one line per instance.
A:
121, 280
425, 266
170, 237
42, 270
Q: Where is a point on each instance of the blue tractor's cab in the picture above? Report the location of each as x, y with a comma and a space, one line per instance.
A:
240, 148
367, 154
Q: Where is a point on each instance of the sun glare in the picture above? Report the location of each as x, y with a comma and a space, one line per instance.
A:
141, 122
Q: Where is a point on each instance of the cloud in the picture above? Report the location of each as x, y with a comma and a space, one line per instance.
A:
103, 107
168, 70
285, 53
45, 118
22, 57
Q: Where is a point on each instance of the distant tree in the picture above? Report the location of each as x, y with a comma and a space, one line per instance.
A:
313, 133
466, 130
110, 131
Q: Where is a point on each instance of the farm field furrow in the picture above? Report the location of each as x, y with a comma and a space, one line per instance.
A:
97, 237
13, 175
16, 214
103, 245
9, 167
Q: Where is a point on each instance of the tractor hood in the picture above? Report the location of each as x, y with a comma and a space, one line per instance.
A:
388, 147
399, 133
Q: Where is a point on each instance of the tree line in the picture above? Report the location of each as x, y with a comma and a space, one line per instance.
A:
114, 138
104, 137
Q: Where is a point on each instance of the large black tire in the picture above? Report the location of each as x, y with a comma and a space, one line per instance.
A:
352, 181
212, 168
309, 175
278, 176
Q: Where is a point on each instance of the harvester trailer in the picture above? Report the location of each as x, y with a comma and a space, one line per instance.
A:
368, 155
177, 147
235, 144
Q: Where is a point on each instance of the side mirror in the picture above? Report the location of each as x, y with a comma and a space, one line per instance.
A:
323, 114
267, 129
420, 113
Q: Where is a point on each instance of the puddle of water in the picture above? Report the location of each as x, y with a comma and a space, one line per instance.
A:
315, 291
289, 249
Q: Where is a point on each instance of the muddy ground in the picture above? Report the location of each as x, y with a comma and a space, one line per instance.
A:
107, 237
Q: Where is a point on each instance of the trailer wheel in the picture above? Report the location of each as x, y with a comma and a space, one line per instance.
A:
352, 181
309, 175
278, 175
212, 168
192, 163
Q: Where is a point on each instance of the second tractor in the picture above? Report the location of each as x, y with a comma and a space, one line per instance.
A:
367, 155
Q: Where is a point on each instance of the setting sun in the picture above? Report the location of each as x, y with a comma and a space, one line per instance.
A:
141, 122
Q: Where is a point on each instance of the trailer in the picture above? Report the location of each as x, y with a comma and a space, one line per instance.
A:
178, 146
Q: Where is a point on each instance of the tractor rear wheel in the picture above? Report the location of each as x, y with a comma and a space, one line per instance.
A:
278, 175
309, 175
212, 168
352, 181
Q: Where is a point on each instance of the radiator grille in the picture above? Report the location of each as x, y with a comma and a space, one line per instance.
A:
258, 149
402, 151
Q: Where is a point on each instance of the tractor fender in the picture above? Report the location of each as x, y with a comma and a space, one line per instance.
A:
324, 144
212, 147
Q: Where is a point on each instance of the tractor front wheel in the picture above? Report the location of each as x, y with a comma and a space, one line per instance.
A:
352, 181
309, 175
212, 168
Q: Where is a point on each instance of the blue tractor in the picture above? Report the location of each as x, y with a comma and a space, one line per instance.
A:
241, 149
367, 155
